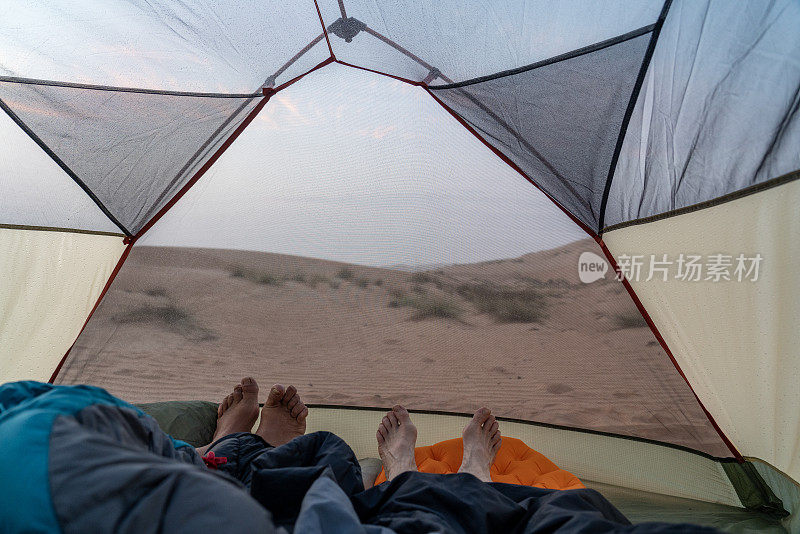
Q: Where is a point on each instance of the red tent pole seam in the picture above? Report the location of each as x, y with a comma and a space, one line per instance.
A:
324, 30
392, 76
663, 343
113, 275
284, 85
200, 172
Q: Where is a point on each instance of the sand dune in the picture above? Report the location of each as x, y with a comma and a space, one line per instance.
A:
521, 335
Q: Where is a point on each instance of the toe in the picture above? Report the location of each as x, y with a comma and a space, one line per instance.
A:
491, 426
237, 394
387, 425
293, 402
393, 419
219, 408
496, 445
303, 414
249, 387
401, 413
275, 395
482, 415
291, 391
295, 411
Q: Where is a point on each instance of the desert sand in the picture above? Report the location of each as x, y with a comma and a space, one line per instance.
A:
522, 335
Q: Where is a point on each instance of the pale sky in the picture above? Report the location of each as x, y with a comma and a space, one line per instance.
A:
356, 167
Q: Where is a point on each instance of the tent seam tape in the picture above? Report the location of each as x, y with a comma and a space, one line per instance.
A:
706, 204
324, 30
112, 88
549, 61
554, 426
637, 86
59, 229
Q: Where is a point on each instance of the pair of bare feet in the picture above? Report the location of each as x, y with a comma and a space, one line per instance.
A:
397, 437
283, 416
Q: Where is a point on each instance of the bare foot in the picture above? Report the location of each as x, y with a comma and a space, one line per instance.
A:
237, 412
481, 443
397, 436
283, 417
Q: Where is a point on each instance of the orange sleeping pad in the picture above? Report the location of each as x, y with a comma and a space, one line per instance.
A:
515, 463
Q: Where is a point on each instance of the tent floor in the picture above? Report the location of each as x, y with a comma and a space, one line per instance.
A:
641, 506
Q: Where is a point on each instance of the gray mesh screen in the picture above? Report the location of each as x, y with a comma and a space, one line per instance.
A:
558, 122
132, 150
718, 111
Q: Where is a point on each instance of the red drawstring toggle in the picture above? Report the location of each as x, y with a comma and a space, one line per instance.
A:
213, 462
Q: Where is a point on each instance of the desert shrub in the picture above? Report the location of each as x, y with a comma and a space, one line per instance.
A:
334, 284
314, 279
435, 307
169, 317
238, 272
630, 319
426, 278
428, 307
299, 277
268, 279
345, 273
507, 305
378, 282
362, 282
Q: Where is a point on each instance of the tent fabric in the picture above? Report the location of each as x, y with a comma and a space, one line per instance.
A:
558, 122
109, 115
641, 506
51, 281
451, 36
132, 150
718, 111
737, 342
787, 489
614, 460
224, 46
46, 196
650, 468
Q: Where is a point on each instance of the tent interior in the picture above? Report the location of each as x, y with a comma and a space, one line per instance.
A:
389, 202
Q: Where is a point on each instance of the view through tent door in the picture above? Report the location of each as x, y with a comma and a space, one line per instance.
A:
391, 257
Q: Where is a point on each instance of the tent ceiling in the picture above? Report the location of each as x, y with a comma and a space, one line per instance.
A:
718, 109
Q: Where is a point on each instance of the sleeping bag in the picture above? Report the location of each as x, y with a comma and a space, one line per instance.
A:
75, 459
